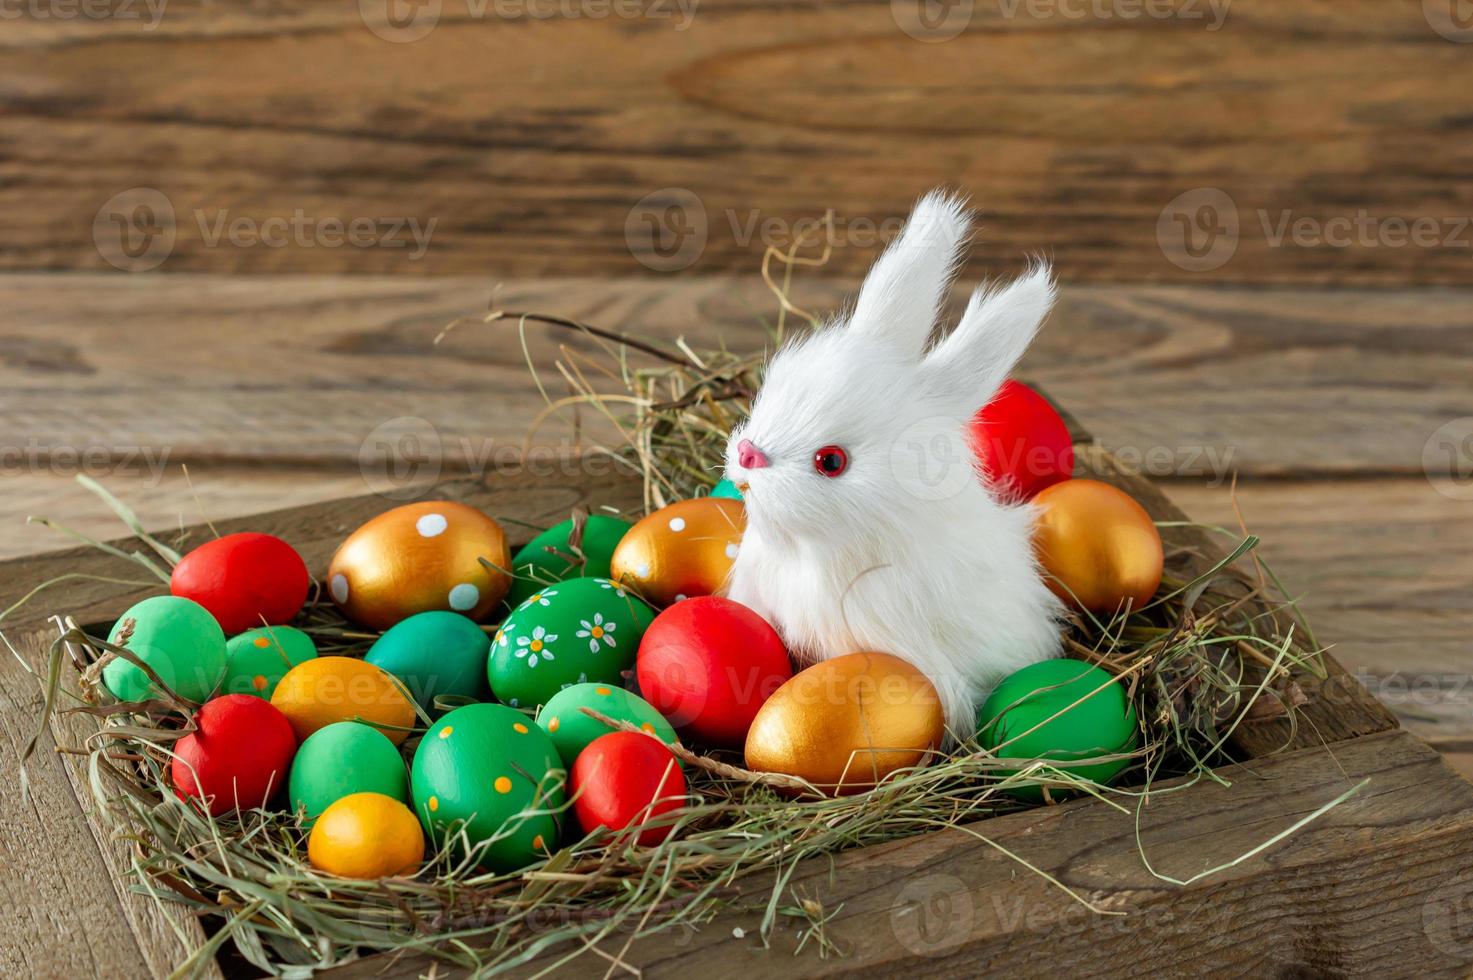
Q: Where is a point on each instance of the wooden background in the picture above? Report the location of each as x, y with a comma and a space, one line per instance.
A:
630, 169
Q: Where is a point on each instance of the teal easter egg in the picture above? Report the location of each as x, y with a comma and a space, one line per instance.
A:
549, 557
580, 630
571, 730
178, 639
487, 769
435, 653
258, 658
343, 758
726, 489
1017, 720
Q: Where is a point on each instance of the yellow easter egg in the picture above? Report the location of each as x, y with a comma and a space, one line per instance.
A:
429, 555
367, 835
1100, 548
316, 693
682, 550
846, 723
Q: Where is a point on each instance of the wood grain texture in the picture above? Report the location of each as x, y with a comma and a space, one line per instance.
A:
1370, 888
531, 141
124, 374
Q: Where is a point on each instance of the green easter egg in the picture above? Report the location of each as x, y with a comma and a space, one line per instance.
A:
178, 639
258, 658
1012, 723
580, 630
488, 769
435, 653
536, 567
571, 730
726, 489
343, 758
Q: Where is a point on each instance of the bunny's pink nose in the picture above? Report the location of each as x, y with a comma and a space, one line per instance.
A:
750, 456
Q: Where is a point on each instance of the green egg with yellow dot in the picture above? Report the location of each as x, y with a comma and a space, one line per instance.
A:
256, 660
571, 730
1059, 711
578, 631
489, 771
553, 556
341, 759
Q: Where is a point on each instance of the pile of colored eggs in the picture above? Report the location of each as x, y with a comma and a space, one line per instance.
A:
448, 736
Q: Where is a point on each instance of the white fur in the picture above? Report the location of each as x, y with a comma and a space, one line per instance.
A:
907, 552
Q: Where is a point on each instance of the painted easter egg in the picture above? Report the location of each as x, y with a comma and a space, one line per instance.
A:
238, 756
421, 556
552, 555
1032, 714
435, 653
846, 723
244, 580
726, 489
707, 664
319, 692
178, 639
625, 779
367, 835
257, 659
1022, 442
683, 550
490, 770
571, 730
343, 758
1099, 547
579, 630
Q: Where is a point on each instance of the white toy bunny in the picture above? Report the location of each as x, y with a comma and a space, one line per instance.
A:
869, 525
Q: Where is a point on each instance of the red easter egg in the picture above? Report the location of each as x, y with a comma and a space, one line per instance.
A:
239, 755
617, 777
1021, 442
243, 580
707, 664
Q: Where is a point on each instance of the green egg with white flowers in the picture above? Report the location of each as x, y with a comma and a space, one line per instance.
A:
573, 632
571, 730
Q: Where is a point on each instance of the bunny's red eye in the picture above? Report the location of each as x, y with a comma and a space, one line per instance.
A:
831, 461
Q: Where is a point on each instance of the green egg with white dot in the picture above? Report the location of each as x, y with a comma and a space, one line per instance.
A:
257, 659
574, 632
571, 730
551, 557
489, 771
341, 759
179, 640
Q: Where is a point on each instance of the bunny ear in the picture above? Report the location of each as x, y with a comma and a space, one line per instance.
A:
991, 338
902, 295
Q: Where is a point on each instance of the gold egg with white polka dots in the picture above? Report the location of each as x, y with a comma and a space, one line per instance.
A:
679, 551
435, 554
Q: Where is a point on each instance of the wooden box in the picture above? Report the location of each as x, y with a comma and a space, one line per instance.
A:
1382, 883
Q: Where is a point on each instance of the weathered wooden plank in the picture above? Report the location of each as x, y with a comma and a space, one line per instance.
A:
1374, 886
68, 913
532, 140
114, 374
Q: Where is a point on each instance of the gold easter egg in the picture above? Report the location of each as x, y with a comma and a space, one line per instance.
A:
422, 556
679, 551
1099, 547
845, 724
